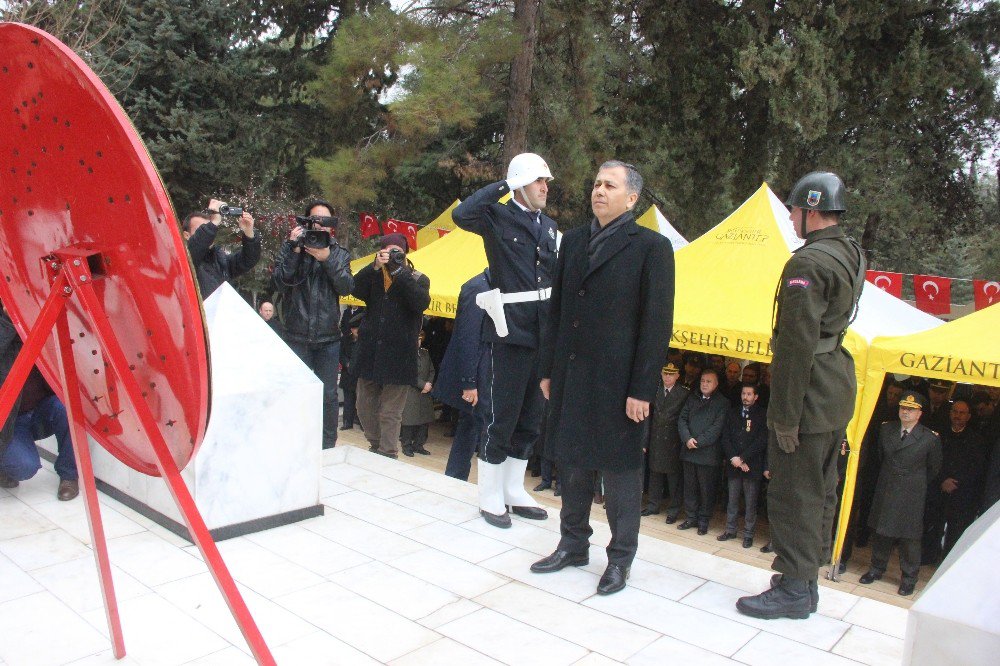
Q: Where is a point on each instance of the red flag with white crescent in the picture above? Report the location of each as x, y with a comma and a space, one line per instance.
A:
891, 283
933, 293
408, 229
986, 292
369, 225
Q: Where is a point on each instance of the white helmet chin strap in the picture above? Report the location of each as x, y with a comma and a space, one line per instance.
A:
527, 200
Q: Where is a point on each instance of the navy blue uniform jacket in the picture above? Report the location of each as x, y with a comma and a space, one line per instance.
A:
461, 360
522, 257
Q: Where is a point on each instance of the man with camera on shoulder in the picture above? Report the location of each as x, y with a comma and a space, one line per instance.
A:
213, 265
312, 273
395, 296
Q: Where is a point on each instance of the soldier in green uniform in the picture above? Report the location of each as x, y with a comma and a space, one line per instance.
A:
812, 395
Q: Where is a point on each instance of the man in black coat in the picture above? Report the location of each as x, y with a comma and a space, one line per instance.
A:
600, 373
213, 265
458, 382
520, 244
963, 473
744, 443
312, 280
395, 296
910, 459
664, 448
700, 426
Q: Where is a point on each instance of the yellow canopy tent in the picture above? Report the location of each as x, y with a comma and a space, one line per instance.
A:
963, 350
432, 231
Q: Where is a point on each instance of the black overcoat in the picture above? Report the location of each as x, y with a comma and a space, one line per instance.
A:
908, 467
606, 340
387, 339
746, 438
664, 441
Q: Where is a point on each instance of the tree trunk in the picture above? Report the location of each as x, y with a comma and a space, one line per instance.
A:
870, 234
515, 139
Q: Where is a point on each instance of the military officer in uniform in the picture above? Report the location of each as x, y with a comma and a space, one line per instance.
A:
520, 243
664, 448
910, 455
813, 388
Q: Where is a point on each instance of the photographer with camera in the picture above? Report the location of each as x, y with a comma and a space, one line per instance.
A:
213, 265
395, 296
313, 272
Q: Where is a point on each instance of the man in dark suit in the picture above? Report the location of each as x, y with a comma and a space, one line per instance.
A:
744, 442
664, 449
457, 383
910, 461
700, 427
600, 373
520, 244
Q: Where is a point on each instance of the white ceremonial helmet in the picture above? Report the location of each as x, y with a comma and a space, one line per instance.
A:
528, 167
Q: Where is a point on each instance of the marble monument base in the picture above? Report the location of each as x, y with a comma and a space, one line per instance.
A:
259, 464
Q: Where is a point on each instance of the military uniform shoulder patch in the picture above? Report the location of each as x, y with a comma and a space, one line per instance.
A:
800, 282
552, 233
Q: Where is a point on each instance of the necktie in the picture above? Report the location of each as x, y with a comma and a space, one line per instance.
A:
903, 436
745, 412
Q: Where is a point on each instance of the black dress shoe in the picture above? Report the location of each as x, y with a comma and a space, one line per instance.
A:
688, 524
725, 536
842, 567
502, 521
906, 589
767, 548
702, 531
747, 542
530, 512
789, 598
560, 560
347, 426
421, 450
613, 579
387, 455
671, 520
8, 482
373, 448
870, 577
650, 509
408, 452
544, 485
558, 491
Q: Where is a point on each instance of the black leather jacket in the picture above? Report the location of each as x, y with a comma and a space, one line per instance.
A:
312, 289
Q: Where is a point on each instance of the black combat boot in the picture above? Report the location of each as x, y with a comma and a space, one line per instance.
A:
813, 591
791, 598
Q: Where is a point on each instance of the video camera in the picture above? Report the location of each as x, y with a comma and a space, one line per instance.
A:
225, 210
316, 239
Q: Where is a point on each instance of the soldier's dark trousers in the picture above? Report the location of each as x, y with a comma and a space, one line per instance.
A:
510, 402
699, 492
909, 555
801, 500
622, 501
673, 484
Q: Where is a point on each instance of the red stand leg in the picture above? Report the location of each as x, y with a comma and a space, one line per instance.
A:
171, 474
81, 449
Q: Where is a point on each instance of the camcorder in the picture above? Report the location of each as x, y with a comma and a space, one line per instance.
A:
316, 239
225, 210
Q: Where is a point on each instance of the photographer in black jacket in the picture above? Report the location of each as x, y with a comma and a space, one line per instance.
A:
213, 265
395, 297
313, 272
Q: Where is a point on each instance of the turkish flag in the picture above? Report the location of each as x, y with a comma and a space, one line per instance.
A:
933, 293
443, 232
891, 283
408, 229
369, 225
987, 292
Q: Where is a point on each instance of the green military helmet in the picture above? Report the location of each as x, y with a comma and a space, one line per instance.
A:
819, 190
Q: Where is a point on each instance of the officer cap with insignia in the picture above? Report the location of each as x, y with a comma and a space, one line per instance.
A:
941, 384
671, 369
913, 400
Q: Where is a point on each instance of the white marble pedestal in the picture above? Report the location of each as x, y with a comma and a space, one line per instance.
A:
259, 464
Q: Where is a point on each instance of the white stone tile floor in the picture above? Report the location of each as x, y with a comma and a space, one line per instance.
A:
399, 570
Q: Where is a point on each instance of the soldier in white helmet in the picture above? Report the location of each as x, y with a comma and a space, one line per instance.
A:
520, 244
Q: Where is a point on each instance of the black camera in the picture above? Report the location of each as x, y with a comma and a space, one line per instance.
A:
316, 239
397, 257
322, 220
226, 210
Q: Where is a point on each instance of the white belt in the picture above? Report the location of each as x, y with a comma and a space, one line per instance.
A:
527, 296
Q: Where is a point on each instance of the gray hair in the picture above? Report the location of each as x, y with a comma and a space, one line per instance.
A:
633, 181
